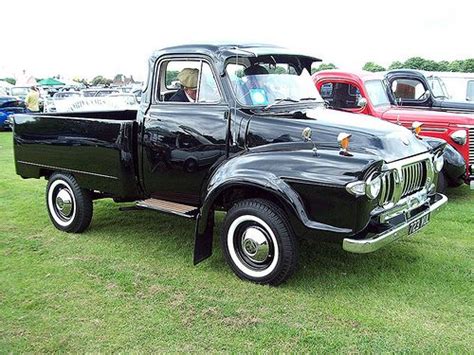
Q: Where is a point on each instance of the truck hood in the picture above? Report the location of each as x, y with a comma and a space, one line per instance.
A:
370, 135
428, 116
467, 107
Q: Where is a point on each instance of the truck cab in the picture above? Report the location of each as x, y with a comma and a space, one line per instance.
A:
410, 88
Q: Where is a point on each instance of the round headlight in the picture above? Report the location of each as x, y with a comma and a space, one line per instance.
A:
373, 185
460, 137
438, 162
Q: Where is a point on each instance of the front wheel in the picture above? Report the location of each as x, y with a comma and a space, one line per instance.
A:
69, 206
258, 242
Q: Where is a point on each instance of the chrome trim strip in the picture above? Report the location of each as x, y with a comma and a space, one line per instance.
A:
66, 169
470, 142
407, 161
369, 245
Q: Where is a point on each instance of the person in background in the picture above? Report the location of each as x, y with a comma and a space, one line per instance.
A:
188, 78
32, 99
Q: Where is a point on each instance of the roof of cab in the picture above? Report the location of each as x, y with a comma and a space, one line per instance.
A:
224, 51
346, 74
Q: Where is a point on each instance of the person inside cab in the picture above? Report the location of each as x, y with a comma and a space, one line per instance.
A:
188, 79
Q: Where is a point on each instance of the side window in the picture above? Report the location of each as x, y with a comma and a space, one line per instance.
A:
408, 89
208, 90
470, 90
341, 95
326, 91
195, 84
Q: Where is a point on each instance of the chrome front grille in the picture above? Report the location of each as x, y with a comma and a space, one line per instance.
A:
388, 188
412, 179
471, 145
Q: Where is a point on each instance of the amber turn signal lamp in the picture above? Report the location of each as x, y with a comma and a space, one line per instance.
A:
416, 127
343, 139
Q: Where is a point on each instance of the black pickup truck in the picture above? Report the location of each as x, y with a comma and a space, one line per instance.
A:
255, 140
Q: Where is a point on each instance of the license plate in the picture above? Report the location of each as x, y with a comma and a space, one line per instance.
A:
419, 223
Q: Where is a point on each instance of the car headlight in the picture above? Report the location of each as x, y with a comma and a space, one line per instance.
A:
438, 162
373, 185
356, 188
460, 137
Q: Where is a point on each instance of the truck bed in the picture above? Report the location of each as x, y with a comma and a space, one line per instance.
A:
104, 142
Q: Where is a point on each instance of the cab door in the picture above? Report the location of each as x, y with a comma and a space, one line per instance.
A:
183, 140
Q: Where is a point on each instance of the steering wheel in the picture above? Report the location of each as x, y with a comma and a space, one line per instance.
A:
424, 93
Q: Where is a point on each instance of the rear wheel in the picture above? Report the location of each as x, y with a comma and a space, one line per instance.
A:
258, 242
69, 206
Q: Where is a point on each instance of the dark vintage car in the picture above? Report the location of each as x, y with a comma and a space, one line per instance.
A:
257, 143
9, 105
411, 88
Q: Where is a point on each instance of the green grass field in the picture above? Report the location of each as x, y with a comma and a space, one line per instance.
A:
128, 284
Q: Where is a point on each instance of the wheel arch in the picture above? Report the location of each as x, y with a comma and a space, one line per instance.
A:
230, 192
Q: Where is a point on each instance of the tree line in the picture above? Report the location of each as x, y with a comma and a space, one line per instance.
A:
419, 63
459, 66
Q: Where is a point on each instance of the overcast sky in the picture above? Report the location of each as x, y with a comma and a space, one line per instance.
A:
87, 38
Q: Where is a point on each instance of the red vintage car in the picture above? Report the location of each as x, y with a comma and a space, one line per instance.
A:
366, 93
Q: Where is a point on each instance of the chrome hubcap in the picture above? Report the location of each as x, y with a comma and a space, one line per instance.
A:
255, 244
64, 203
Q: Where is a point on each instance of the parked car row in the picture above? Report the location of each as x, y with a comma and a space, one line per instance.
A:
404, 97
257, 143
85, 99
9, 106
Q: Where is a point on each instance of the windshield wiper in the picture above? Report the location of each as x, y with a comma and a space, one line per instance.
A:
308, 98
277, 101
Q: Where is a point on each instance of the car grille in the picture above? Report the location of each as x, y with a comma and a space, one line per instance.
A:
471, 145
413, 179
388, 187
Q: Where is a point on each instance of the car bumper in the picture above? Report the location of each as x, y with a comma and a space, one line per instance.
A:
401, 230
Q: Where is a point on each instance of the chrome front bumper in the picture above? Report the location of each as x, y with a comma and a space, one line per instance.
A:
378, 241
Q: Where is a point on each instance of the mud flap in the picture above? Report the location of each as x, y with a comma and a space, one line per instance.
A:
203, 238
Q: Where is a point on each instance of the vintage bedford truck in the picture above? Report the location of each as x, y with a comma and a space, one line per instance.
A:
257, 143
364, 92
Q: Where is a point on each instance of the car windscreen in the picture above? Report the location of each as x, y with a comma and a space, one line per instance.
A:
10, 102
377, 92
261, 84
19, 91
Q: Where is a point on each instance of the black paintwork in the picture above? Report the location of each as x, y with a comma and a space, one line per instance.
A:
211, 155
430, 102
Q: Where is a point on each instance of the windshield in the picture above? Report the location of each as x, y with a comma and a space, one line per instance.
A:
263, 85
377, 92
65, 95
437, 87
19, 91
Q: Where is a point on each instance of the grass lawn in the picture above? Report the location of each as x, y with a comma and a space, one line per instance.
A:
128, 284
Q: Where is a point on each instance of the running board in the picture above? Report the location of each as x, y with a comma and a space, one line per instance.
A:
169, 207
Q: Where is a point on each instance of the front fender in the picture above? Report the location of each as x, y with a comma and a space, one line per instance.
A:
454, 163
275, 173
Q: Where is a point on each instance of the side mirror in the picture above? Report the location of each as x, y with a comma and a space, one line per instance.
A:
362, 102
